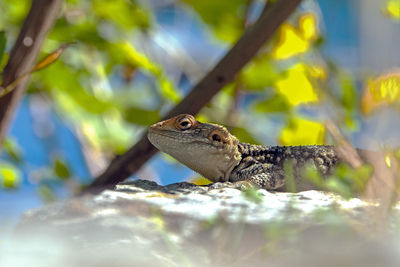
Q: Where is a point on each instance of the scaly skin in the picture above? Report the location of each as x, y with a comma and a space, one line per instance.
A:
213, 152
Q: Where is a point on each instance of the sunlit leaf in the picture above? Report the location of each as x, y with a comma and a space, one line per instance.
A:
296, 86
300, 131
200, 181
308, 26
61, 169
392, 9
10, 176
381, 91
293, 41
50, 58
290, 43
3, 41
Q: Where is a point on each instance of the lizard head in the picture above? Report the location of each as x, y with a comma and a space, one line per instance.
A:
206, 148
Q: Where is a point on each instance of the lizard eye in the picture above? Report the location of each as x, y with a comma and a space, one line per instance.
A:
184, 124
216, 137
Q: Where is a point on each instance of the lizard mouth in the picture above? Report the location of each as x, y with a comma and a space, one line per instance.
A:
154, 135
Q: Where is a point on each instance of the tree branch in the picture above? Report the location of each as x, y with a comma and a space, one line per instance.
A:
23, 56
223, 73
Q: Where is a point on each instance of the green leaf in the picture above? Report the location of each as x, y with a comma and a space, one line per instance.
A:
126, 14
349, 100
10, 176
68, 85
48, 60
141, 116
349, 92
260, 73
243, 135
61, 169
253, 195
226, 17
313, 175
47, 193
288, 167
84, 32
3, 42
12, 149
277, 103
339, 186
140, 60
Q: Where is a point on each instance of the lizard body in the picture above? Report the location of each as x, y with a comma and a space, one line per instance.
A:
216, 154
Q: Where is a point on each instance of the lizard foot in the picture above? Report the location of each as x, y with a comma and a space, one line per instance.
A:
241, 185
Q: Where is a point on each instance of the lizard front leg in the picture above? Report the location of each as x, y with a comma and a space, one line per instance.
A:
263, 175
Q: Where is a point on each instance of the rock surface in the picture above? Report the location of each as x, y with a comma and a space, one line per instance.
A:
141, 223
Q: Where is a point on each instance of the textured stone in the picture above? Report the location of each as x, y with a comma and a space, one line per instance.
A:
144, 224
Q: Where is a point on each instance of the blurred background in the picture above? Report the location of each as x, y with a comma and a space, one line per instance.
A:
132, 60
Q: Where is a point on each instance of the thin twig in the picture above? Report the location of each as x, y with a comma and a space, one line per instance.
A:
23, 55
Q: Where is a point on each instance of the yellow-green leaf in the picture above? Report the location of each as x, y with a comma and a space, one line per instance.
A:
277, 103
300, 131
10, 176
13, 150
392, 9
50, 58
383, 90
296, 86
293, 41
141, 116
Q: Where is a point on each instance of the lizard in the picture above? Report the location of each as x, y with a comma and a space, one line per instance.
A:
213, 152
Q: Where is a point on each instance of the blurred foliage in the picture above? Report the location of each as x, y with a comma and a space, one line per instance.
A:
10, 146
301, 131
345, 180
10, 176
107, 86
2, 45
226, 18
392, 9
293, 40
49, 59
381, 91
